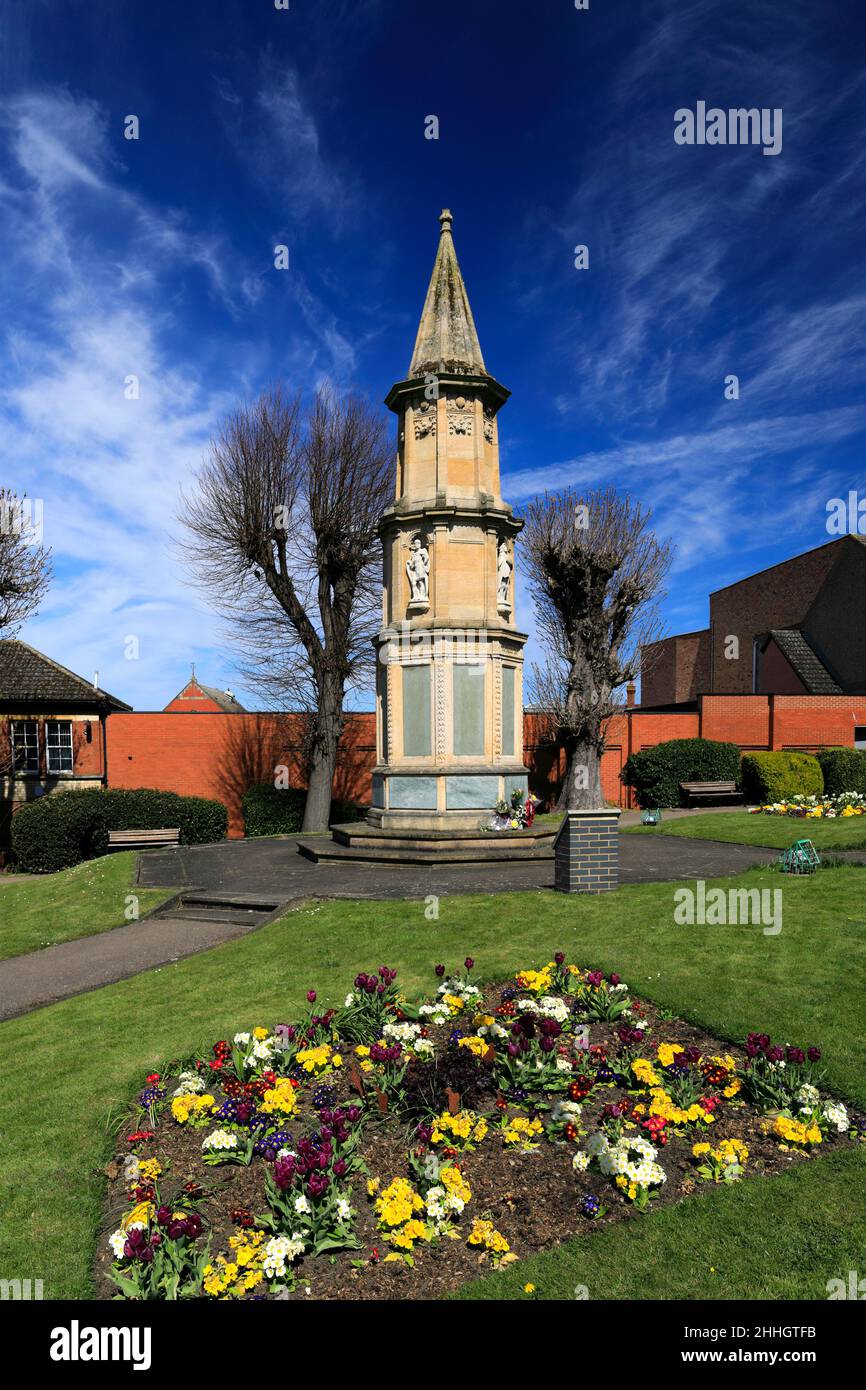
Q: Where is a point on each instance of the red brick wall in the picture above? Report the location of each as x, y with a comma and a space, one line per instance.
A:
816, 721
86, 757
743, 719
675, 670
220, 755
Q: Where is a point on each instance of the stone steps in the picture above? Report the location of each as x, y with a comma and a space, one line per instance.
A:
362, 842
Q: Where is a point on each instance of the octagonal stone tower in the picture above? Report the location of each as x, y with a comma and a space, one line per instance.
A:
449, 698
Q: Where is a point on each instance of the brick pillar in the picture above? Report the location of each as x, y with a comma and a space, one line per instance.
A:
587, 852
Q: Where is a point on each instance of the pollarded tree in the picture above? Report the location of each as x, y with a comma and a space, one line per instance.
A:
595, 574
284, 526
25, 564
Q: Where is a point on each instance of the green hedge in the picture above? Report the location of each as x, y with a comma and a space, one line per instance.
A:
656, 773
771, 777
844, 770
61, 830
270, 810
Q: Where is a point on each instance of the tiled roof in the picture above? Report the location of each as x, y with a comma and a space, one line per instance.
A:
223, 698
28, 675
795, 647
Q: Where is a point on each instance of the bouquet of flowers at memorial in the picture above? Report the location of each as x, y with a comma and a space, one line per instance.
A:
514, 813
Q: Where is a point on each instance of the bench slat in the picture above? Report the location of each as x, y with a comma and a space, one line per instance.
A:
142, 838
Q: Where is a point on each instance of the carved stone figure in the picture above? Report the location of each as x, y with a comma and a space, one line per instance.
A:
503, 570
418, 570
425, 420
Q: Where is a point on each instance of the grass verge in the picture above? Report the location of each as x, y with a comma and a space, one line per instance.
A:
776, 832
68, 1065
83, 901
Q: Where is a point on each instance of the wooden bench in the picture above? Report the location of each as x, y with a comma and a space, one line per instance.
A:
143, 839
711, 791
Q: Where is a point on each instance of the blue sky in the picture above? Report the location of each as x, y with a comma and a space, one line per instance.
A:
261, 126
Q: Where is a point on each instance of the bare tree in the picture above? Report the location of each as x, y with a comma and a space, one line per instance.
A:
595, 572
284, 526
25, 565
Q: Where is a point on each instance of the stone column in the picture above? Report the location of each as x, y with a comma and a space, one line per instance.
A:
587, 852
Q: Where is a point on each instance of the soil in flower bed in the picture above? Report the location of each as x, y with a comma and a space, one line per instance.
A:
535, 1199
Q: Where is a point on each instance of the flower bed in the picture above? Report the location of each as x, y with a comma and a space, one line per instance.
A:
395, 1150
844, 805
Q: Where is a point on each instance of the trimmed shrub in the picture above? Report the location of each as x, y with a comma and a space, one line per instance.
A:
656, 773
270, 810
769, 777
61, 830
844, 770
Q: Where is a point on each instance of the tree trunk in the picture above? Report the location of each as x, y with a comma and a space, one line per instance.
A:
317, 809
581, 787
328, 727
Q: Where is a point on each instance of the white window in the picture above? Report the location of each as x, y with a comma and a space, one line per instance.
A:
25, 746
58, 745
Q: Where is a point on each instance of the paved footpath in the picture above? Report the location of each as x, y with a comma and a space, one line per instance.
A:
274, 867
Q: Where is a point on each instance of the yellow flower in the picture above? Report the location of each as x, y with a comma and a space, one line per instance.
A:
314, 1058
666, 1052
141, 1213
529, 1288
184, 1108
280, 1099
477, 1046
259, 1033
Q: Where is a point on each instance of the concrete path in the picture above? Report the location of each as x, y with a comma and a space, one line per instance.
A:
273, 866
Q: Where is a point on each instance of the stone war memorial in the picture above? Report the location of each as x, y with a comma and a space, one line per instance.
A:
449, 686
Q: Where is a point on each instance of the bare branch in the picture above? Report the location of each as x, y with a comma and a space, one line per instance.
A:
595, 572
285, 544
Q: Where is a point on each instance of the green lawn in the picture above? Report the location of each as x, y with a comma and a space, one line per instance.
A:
777, 832
82, 901
67, 1066
778, 1238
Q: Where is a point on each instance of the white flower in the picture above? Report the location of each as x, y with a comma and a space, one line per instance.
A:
424, 1047
220, 1139
344, 1209
405, 1032
563, 1064
117, 1240
551, 1007
596, 1144
565, 1110
302, 1206
189, 1084
241, 1039
807, 1097
836, 1114
131, 1168
350, 999
581, 1161
279, 1252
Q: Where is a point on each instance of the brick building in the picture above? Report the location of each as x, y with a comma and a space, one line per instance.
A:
52, 728
196, 698
793, 629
